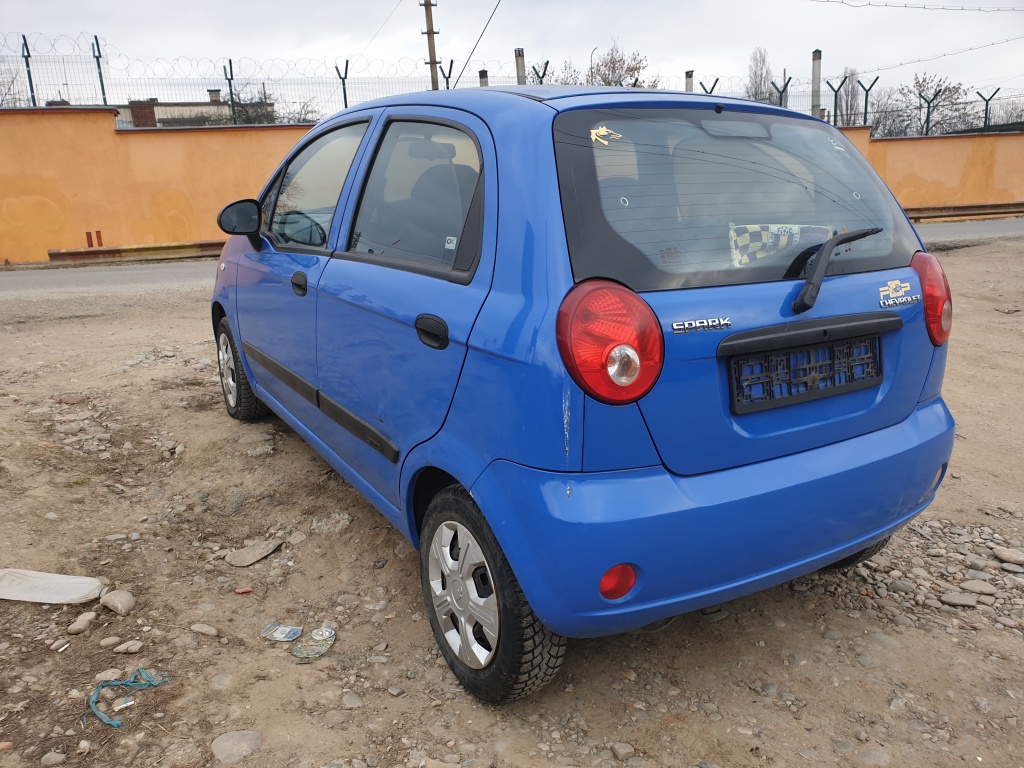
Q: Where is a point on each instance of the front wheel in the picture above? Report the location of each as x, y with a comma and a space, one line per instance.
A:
490, 637
239, 399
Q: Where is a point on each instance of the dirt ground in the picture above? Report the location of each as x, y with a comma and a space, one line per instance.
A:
118, 460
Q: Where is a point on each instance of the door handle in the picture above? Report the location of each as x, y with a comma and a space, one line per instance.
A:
433, 331
299, 283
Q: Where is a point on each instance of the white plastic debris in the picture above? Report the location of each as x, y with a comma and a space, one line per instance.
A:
53, 588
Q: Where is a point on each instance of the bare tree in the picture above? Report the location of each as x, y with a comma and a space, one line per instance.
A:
11, 92
849, 109
904, 111
300, 113
759, 76
613, 67
1008, 112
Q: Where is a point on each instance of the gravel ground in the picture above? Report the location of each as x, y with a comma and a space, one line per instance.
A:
117, 461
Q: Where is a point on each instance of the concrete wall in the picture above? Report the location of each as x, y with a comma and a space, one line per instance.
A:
947, 170
66, 171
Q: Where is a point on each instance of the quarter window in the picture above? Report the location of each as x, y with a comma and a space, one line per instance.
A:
417, 199
309, 191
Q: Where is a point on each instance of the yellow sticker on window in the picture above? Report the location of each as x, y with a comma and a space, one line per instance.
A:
604, 133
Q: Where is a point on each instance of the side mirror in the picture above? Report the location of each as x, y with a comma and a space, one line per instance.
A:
240, 218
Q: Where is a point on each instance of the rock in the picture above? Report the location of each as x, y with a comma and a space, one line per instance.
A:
352, 700
132, 646
84, 747
1008, 555
251, 554
872, 756
205, 629
833, 634
221, 682
959, 600
108, 642
6, 745
297, 538
120, 601
81, 624
53, 758
622, 750
395, 691
233, 746
108, 674
978, 587
53, 516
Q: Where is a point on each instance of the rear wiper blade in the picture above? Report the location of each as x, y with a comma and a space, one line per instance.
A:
809, 293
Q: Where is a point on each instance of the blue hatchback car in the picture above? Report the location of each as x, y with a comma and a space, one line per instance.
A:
604, 356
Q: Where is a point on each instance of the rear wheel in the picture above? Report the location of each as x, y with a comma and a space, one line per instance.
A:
239, 399
858, 557
487, 632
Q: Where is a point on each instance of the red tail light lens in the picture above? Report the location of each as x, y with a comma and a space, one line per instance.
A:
938, 301
617, 581
610, 341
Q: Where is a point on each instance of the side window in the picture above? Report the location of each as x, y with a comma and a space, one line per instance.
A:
304, 203
417, 198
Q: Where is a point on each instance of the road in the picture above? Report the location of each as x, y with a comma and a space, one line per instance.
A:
136, 278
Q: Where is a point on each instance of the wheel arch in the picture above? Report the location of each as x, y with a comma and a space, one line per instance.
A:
217, 313
427, 483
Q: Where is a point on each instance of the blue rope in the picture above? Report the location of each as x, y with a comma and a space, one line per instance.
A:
138, 680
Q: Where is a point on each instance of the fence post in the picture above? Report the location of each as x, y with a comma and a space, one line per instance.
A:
816, 83
835, 99
986, 104
26, 55
483, 78
520, 67
99, 69
229, 75
689, 81
344, 83
867, 90
928, 112
782, 91
541, 75
447, 76
703, 88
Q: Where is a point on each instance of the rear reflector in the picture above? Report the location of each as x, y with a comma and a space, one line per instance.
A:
617, 581
938, 301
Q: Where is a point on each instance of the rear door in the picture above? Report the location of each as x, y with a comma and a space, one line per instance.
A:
276, 287
399, 300
715, 218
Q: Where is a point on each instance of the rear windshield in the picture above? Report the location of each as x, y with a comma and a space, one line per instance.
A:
671, 198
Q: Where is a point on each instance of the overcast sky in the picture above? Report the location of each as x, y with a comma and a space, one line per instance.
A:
713, 38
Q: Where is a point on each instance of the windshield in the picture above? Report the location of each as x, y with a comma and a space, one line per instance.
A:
671, 198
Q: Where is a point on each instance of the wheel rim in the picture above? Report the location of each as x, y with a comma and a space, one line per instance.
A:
228, 374
462, 593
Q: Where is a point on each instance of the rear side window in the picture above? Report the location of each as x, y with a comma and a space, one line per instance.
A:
417, 199
670, 198
310, 188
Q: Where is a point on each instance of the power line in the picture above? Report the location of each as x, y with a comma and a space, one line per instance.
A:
916, 6
936, 56
381, 27
476, 43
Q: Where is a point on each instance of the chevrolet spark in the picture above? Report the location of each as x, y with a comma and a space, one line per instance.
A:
604, 356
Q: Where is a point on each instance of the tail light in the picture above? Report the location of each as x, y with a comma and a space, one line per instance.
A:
617, 581
938, 302
611, 341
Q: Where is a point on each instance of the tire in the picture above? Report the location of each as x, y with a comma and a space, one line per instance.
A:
494, 642
239, 399
858, 557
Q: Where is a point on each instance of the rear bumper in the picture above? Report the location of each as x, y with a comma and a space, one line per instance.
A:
698, 541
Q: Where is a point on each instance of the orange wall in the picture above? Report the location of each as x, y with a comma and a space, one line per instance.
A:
947, 170
66, 171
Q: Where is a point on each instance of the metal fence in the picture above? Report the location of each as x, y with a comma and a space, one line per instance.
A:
37, 71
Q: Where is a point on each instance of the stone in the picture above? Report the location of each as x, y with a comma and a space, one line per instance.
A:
109, 642
120, 601
84, 747
873, 756
108, 674
233, 746
622, 750
241, 558
6, 745
205, 629
221, 682
132, 646
352, 700
978, 587
52, 516
959, 600
53, 758
1008, 555
81, 624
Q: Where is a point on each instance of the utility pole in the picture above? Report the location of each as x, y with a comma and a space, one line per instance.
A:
433, 63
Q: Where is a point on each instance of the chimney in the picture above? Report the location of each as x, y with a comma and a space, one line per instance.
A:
143, 113
214, 95
483, 78
520, 67
689, 81
816, 82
